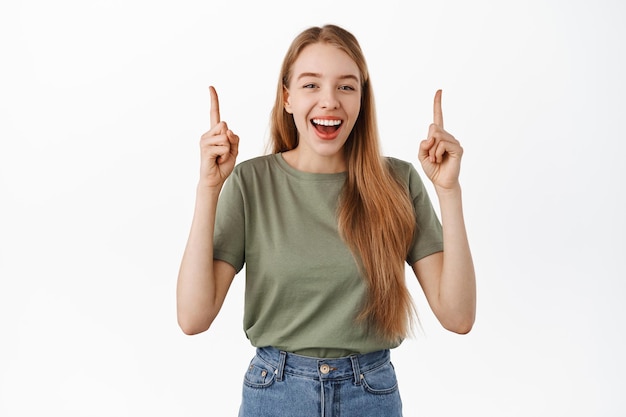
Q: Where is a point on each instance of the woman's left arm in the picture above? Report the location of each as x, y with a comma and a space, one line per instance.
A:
447, 277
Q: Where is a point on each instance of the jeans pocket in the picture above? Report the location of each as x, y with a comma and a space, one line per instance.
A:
381, 380
259, 374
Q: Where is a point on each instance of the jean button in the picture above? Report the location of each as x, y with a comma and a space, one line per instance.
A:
324, 369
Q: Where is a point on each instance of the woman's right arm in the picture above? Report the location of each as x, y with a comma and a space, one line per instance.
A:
202, 281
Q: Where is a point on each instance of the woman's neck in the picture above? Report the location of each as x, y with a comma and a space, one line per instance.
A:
316, 164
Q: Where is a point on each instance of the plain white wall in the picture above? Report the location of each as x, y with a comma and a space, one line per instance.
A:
102, 104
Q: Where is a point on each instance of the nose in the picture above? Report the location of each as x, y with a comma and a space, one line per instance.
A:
329, 99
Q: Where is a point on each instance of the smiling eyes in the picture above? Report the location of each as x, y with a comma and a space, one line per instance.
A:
341, 87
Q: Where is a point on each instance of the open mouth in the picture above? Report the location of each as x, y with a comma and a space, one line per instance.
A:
326, 126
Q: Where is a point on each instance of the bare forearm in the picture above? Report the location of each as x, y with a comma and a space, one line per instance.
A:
457, 291
196, 288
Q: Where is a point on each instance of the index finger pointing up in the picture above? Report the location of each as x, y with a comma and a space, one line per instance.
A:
215, 107
437, 112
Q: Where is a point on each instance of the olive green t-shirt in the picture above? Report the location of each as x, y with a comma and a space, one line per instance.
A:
303, 286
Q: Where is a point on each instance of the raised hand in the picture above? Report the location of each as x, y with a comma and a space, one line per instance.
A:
440, 154
218, 148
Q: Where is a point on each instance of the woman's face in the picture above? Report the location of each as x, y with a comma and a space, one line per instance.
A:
324, 97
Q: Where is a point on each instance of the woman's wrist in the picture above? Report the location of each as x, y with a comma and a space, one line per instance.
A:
449, 192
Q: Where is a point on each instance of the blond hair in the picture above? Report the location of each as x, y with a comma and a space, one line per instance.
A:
375, 214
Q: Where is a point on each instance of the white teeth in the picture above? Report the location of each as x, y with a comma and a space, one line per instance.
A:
326, 122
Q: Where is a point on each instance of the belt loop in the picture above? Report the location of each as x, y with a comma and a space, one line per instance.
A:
281, 365
356, 369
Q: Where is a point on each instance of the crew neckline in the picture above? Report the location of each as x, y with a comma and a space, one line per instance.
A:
310, 176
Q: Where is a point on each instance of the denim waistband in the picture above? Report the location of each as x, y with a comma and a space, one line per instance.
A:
321, 368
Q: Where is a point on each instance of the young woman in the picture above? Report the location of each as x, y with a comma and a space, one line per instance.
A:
324, 226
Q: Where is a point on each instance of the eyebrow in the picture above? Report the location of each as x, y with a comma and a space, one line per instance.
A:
317, 75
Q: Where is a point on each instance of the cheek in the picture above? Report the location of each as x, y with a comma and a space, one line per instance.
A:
300, 121
355, 106
356, 111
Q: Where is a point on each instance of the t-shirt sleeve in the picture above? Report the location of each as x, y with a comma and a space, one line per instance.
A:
428, 237
229, 236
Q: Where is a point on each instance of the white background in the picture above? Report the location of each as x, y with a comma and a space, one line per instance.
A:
102, 104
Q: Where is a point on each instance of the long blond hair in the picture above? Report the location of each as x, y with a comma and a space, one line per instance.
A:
375, 214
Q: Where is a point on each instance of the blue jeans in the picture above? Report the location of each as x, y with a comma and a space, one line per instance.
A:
281, 384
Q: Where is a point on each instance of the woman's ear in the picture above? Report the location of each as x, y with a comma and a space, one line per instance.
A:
286, 101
